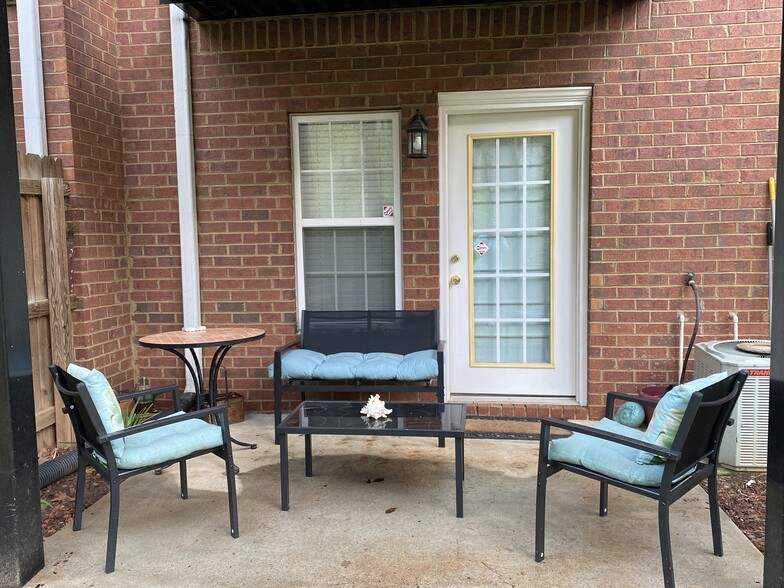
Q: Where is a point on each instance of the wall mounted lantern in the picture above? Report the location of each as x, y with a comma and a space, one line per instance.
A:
417, 136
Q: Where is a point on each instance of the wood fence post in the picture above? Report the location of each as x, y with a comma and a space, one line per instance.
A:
60, 321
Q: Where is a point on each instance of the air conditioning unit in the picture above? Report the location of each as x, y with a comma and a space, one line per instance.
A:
745, 444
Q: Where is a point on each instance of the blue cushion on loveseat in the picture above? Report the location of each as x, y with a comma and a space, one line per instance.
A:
298, 363
338, 366
378, 366
419, 365
303, 364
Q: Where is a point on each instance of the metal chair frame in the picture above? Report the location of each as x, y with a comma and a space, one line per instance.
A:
93, 445
696, 445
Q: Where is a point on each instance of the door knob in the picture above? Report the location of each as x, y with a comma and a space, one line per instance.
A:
455, 280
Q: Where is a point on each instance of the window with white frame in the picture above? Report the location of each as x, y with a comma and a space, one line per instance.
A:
347, 201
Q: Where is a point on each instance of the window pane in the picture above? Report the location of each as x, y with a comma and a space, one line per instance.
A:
349, 268
511, 167
538, 158
347, 194
314, 146
345, 143
485, 343
513, 343
484, 298
537, 205
538, 343
317, 195
379, 189
347, 169
511, 207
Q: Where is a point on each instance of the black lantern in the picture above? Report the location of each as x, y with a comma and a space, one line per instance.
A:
417, 136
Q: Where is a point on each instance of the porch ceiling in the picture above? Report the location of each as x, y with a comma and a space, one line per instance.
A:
203, 10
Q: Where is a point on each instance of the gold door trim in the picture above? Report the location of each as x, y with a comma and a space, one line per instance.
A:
470, 253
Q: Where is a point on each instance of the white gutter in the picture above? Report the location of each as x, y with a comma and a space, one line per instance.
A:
32, 74
186, 174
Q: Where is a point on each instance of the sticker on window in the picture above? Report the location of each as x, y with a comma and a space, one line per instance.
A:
481, 248
388, 211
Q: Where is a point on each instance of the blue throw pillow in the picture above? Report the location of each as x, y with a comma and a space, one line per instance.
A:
668, 415
105, 402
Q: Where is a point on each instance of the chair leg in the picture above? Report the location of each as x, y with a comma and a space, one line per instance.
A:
603, 490
278, 405
114, 522
541, 491
183, 480
234, 524
81, 473
715, 515
666, 545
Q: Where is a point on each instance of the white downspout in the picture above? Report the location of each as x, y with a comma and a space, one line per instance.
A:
186, 174
32, 74
734, 319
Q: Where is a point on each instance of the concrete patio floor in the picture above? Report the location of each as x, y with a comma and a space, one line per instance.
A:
341, 529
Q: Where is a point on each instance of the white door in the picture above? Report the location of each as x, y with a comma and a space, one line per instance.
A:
514, 249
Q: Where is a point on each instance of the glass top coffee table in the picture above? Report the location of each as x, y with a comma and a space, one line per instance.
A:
408, 419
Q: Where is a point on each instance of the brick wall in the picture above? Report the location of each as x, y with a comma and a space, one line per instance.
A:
83, 129
683, 142
16, 83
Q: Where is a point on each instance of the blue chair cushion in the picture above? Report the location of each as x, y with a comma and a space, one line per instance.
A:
105, 401
169, 442
605, 457
308, 365
667, 416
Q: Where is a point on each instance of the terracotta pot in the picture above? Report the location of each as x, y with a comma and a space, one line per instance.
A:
651, 393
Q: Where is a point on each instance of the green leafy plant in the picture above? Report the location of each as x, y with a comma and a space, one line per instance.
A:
45, 504
135, 415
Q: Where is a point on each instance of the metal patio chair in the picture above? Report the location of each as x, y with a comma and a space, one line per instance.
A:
117, 452
632, 460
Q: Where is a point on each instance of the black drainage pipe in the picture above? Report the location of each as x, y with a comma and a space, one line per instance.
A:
54, 469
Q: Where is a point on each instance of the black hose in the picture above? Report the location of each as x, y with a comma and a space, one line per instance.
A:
693, 286
54, 469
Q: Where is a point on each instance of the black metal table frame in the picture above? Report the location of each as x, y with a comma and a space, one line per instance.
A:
282, 433
196, 372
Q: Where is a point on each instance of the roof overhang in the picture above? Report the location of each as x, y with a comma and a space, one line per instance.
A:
204, 10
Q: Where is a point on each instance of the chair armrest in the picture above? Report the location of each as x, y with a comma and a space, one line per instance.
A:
613, 396
295, 343
148, 392
609, 436
157, 423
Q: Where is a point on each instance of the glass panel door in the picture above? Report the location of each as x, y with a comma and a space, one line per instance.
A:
514, 258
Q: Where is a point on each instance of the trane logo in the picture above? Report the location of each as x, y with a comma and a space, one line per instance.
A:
759, 373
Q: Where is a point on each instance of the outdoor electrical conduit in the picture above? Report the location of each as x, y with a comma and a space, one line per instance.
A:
681, 338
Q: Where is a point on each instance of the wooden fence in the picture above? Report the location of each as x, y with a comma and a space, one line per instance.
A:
48, 293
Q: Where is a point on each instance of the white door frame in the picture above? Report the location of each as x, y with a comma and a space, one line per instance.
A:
576, 99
